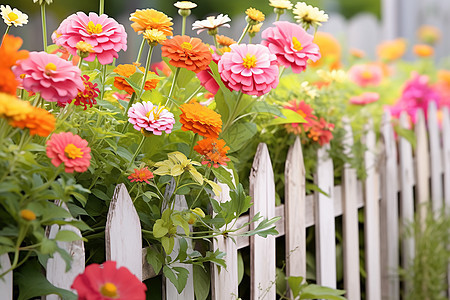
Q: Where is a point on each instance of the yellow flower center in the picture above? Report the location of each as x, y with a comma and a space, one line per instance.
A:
109, 290
12, 16
27, 214
84, 47
50, 67
73, 151
249, 61
296, 44
186, 46
366, 74
94, 28
156, 111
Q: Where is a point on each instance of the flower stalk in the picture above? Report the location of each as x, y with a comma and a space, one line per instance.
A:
44, 26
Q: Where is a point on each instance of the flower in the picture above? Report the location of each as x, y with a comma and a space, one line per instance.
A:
27, 214
391, 50
13, 109
330, 50
43, 2
200, 119
281, 4
308, 15
147, 19
365, 98
429, 34
176, 165
106, 36
321, 131
84, 49
251, 69
225, 41
292, 45
55, 78
442, 86
303, 110
211, 24
186, 52
87, 95
254, 16
9, 55
13, 16
357, 53
151, 118
126, 71
208, 81
141, 175
70, 149
423, 50
162, 66
214, 152
332, 76
365, 74
154, 36
106, 281
185, 5
39, 121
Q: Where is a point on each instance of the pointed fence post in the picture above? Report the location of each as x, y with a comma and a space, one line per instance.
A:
295, 212
123, 232
435, 159
56, 266
325, 227
372, 216
422, 166
262, 250
390, 285
350, 221
6, 282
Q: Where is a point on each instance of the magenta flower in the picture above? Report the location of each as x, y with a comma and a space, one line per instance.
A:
149, 118
206, 78
106, 36
365, 98
70, 149
251, 69
292, 45
56, 79
366, 74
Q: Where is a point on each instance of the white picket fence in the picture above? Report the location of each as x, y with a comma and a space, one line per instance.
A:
393, 171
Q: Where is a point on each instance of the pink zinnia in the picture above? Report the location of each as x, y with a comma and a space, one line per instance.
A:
106, 282
251, 69
70, 149
55, 78
151, 118
106, 36
206, 78
365, 98
292, 45
366, 74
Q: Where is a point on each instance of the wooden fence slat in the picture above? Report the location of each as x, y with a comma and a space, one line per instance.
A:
372, 216
325, 227
262, 250
6, 282
123, 232
435, 158
294, 212
422, 166
446, 166
390, 285
406, 193
56, 266
350, 221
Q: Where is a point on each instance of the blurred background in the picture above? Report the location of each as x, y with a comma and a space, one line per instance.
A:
360, 24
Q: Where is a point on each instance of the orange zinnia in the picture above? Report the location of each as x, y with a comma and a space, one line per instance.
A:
330, 49
12, 108
186, 52
200, 119
147, 19
126, 71
9, 55
423, 50
39, 121
214, 152
391, 50
225, 41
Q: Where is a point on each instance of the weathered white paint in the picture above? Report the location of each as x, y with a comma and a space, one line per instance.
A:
6, 282
123, 232
262, 250
435, 158
325, 228
422, 166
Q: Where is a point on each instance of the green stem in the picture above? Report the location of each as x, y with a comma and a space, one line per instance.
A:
175, 76
208, 171
215, 41
44, 26
193, 94
244, 33
250, 39
20, 237
138, 150
130, 103
233, 115
278, 17
101, 9
147, 68
6, 33
183, 26
103, 81
193, 144
140, 50
79, 63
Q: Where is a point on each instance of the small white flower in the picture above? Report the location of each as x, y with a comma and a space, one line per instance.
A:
185, 5
211, 23
338, 76
309, 15
282, 4
13, 16
308, 90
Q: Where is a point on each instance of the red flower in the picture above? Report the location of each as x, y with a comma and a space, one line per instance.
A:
321, 131
141, 175
305, 111
70, 149
88, 95
106, 282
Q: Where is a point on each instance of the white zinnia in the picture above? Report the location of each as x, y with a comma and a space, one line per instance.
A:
185, 5
211, 23
282, 4
309, 15
13, 16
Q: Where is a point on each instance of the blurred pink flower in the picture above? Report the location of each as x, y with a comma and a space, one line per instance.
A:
251, 69
55, 78
365, 98
292, 45
70, 149
162, 66
366, 74
106, 36
206, 78
149, 118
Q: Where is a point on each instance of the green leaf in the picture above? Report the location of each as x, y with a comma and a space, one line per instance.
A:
67, 236
313, 291
124, 153
407, 134
48, 246
99, 194
168, 243
239, 134
240, 267
177, 275
295, 284
178, 220
155, 259
202, 282
264, 107
223, 176
290, 116
160, 229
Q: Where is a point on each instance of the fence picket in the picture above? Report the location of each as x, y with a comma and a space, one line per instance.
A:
123, 232
406, 192
390, 285
56, 266
372, 216
6, 282
262, 250
422, 165
435, 158
325, 228
350, 221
